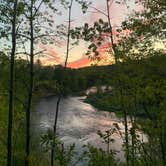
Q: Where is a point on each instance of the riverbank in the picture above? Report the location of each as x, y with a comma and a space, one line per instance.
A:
102, 102
109, 101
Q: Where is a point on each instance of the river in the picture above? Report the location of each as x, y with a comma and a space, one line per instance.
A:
78, 122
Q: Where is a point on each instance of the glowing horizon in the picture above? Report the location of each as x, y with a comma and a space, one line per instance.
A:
77, 57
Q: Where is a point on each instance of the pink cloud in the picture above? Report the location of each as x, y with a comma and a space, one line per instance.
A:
51, 53
117, 13
82, 62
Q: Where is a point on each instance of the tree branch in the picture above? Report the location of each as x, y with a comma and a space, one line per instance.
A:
22, 35
37, 9
99, 11
37, 53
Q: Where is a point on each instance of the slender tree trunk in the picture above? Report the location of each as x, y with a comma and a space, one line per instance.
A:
133, 121
126, 128
133, 141
126, 136
161, 139
68, 34
54, 130
11, 93
28, 111
59, 97
111, 31
116, 60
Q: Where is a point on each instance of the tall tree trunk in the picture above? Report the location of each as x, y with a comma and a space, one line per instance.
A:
162, 144
28, 111
111, 31
54, 130
59, 97
68, 34
126, 127
126, 136
133, 141
11, 93
133, 134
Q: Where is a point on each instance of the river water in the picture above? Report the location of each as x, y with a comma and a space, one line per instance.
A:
78, 123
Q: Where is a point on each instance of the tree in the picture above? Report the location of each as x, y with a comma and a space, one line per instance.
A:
32, 14
10, 121
31, 83
65, 65
13, 22
100, 33
146, 30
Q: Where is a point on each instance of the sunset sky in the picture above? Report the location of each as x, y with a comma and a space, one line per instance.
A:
77, 58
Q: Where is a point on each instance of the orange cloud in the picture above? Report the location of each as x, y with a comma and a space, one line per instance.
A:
84, 61
105, 47
52, 58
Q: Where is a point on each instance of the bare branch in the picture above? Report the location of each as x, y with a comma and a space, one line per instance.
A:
22, 35
25, 53
99, 11
37, 53
37, 9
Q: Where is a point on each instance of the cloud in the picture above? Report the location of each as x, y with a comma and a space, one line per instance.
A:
117, 13
82, 62
51, 55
